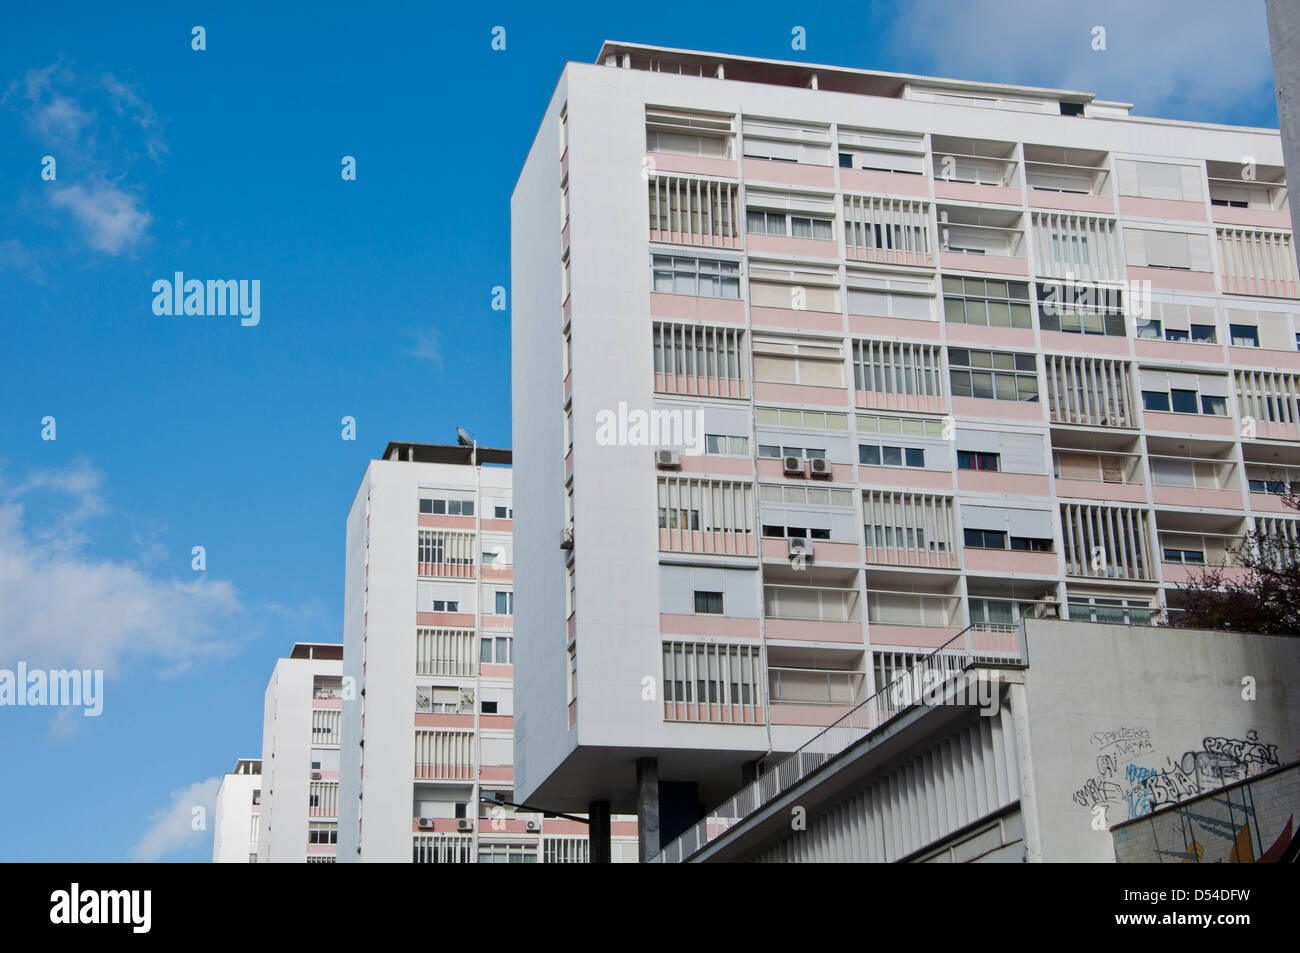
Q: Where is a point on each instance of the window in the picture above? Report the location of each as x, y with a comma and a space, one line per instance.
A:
1276, 487
809, 495
1188, 557
782, 141
906, 426
701, 277
503, 513
708, 602
772, 452
447, 507
1115, 611
985, 539
726, 446
318, 833
445, 605
793, 361
688, 133
883, 455
773, 531
1182, 401
1214, 406
496, 649
809, 419
1243, 335
1203, 334
986, 302
507, 854
505, 603
784, 223
993, 375
1082, 309
1155, 400
488, 708
1031, 544
971, 460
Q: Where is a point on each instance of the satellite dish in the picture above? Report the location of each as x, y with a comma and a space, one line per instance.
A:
463, 437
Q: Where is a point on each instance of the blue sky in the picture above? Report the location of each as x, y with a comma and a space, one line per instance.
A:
183, 431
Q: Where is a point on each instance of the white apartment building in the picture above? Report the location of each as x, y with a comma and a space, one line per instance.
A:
429, 720
300, 756
961, 354
235, 827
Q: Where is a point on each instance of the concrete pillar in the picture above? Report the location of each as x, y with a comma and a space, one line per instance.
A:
647, 808
598, 831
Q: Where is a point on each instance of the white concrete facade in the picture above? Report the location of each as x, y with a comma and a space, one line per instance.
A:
235, 828
428, 637
300, 756
835, 188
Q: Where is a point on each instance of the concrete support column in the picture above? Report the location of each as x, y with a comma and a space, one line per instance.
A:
647, 808
598, 831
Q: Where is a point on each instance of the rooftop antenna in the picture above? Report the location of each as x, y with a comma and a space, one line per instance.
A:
466, 440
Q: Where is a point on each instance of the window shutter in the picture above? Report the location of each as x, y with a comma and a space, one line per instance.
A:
1213, 385
1035, 523
1170, 249
979, 441
1154, 380
1127, 171
1199, 252
984, 517
1022, 453
1191, 183
1135, 251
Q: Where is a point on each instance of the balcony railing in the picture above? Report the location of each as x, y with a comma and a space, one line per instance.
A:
964, 651
805, 604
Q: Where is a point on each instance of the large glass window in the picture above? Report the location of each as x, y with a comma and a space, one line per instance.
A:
986, 302
993, 375
702, 277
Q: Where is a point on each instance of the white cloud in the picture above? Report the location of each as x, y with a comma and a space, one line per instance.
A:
126, 102
64, 607
428, 346
110, 217
1184, 59
171, 828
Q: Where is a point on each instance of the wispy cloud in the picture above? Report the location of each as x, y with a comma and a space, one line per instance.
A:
63, 606
15, 256
110, 217
428, 346
96, 129
1185, 59
173, 828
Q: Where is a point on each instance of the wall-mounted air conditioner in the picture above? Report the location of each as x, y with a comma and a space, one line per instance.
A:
425, 823
464, 825
819, 467
668, 460
792, 466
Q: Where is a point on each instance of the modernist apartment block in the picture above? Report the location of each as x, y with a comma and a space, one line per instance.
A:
428, 714
962, 353
300, 756
237, 824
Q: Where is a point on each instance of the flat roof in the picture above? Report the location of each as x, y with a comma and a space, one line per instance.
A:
317, 650
835, 78
454, 453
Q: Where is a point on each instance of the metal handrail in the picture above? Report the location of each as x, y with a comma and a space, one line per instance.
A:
859, 722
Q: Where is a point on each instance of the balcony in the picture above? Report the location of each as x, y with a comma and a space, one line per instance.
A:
805, 613
911, 619
1251, 196
982, 240
1116, 477
1206, 482
976, 170
1076, 180
811, 696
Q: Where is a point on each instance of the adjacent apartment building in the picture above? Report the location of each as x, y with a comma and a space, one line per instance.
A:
814, 367
428, 709
300, 756
237, 824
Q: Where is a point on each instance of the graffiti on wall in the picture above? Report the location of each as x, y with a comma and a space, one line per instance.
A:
1131, 780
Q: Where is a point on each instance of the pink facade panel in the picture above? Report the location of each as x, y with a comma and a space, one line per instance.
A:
814, 715
984, 194
1173, 279
723, 466
1086, 343
452, 620
498, 574
797, 320
440, 720
1009, 562
695, 308
1264, 358
805, 630
1097, 490
823, 552
1206, 424
773, 470
910, 636
884, 183
1132, 206
435, 521
496, 670
802, 394
904, 478
1257, 217
694, 165
1178, 351
1180, 574
794, 247
894, 327
986, 264
1268, 503
1009, 484
1071, 202
789, 173
998, 409
711, 626
1022, 338
1194, 496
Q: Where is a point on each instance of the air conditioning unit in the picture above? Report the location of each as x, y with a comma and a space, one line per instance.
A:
566, 539
464, 825
797, 547
792, 466
533, 827
315, 775
668, 460
425, 823
819, 467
